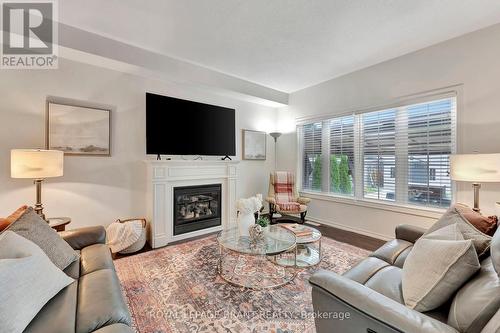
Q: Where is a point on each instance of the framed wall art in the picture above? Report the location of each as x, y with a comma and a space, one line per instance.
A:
78, 129
254, 145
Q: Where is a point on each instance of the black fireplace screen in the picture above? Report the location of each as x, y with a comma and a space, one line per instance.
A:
196, 208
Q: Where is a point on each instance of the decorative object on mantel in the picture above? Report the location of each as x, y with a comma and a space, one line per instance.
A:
275, 136
254, 145
246, 210
78, 128
126, 236
36, 164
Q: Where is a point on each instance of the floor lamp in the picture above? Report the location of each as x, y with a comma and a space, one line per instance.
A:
275, 135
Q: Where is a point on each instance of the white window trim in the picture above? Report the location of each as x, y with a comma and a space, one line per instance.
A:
356, 200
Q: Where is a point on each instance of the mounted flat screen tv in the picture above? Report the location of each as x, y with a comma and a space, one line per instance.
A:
181, 127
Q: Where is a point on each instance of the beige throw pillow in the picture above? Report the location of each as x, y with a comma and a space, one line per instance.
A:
28, 280
439, 263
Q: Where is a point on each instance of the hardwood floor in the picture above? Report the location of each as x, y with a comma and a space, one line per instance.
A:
362, 241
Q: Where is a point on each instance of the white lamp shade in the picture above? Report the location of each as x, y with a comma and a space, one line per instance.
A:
478, 168
36, 164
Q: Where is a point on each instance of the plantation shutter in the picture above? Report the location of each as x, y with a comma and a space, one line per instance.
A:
400, 154
378, 141
311, 156
429, 142
342, 155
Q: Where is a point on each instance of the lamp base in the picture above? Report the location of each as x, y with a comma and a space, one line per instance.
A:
476, 187
38, 205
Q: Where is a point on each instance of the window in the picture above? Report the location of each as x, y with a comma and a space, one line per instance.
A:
379, 154
341, 155
312, 161
398, 155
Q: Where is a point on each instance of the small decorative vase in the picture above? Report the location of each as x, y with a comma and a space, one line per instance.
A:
256, 233
245, 221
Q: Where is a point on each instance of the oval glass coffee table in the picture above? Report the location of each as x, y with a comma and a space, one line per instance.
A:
307, 251
244, 263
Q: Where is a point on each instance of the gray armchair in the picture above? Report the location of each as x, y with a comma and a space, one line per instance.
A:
371, 294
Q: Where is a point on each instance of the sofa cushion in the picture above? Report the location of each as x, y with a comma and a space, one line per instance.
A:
58, 315
477, 301
94, 258
73, 270
390, 251
400, 261
387, 282
28, 280
452, 216
100, 301
365, 269
439, 263
31, 226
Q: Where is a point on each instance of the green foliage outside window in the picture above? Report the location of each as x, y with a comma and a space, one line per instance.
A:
316, 173
339, 174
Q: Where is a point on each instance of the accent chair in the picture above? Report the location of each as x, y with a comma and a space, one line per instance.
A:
283, 196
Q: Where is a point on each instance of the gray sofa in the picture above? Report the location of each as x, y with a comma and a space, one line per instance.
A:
93, 302
371, 293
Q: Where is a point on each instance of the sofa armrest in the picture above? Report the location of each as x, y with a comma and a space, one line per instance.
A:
409, 233
83, 237
377, 306
303, 201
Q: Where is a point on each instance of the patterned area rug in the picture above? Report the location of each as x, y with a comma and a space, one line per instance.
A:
176, 289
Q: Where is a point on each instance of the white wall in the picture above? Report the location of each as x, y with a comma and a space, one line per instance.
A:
472, 60
98, 190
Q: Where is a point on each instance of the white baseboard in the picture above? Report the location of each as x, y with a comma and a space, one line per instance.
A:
348, 228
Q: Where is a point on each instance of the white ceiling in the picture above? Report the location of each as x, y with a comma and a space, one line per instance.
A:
283, 44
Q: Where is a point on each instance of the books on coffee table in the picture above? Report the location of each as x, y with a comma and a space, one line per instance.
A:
297, 229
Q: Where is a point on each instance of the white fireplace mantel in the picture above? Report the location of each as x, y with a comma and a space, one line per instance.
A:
164, 176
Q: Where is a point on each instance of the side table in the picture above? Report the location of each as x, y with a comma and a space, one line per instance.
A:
59, 223
307, 251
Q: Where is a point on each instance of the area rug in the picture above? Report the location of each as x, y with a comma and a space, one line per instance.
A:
176, 289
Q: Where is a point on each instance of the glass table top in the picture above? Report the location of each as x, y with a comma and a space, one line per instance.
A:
276, 240
313, 237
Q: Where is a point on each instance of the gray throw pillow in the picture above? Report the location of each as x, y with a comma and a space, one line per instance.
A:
439, 263
28, 280
33, 227
453, 216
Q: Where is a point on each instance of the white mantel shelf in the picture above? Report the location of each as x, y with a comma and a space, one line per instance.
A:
164, 175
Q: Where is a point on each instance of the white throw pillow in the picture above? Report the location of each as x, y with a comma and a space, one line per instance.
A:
28, 280
439, 263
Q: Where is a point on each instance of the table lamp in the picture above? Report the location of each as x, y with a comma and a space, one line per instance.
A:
36, 164
475, 168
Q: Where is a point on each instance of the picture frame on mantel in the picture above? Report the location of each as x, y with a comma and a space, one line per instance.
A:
77, 127
254, 145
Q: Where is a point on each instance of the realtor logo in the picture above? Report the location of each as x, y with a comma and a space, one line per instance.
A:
29, 35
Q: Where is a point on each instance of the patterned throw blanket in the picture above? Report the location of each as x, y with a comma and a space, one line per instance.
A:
119, 236
283, 188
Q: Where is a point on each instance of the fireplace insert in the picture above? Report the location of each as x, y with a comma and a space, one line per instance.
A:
196, 208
